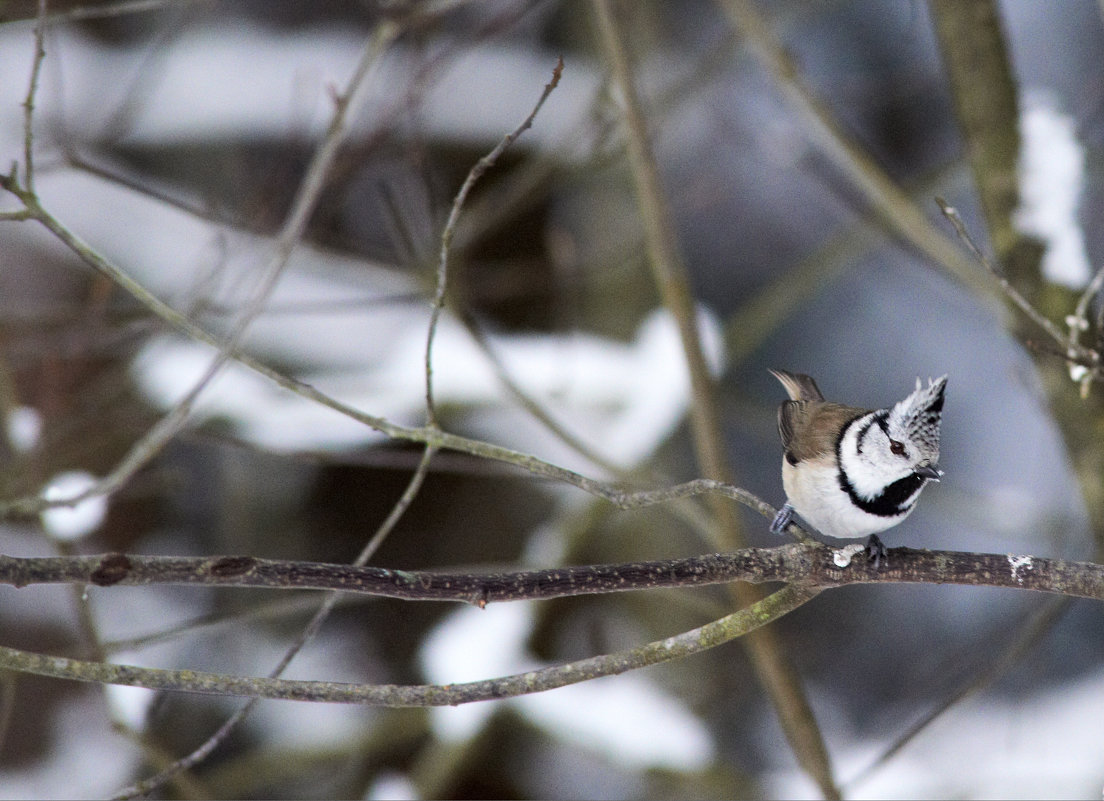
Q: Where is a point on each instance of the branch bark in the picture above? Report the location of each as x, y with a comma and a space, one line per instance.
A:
983, 88
809, 565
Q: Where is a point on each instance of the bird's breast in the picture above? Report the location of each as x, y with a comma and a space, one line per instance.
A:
813, 489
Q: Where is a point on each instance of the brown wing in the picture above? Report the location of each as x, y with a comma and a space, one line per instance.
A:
809, 425
811, 428
796, 413
791, 416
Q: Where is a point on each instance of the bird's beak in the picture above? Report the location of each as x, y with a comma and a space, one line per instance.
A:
929, 472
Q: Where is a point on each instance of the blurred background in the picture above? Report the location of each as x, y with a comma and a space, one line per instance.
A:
801, 147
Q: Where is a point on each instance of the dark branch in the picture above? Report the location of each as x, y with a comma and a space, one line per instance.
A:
810, 565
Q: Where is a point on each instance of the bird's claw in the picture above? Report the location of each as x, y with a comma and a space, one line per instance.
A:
782, 519
876, 551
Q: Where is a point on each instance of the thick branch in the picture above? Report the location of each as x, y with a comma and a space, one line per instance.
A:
983, 88
809, 565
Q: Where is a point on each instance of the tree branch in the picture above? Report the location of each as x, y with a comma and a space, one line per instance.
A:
687, 643
813, 565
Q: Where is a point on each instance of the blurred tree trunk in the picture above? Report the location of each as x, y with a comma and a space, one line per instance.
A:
975, 55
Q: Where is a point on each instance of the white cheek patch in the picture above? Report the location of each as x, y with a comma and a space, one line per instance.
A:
866, 459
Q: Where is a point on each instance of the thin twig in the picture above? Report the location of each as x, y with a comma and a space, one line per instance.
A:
474, 175
424, 435
531, 405
32, 92
282, 609
291, 233
117, 9
668, 269
33, 209
1078, 323
975, 54
1091, 291
8, 686
952, 215
300, 217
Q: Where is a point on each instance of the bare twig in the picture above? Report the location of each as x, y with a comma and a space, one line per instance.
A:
293, 606
300, 216
667, 266
979, 74
474, 175
1091, 291
533, 406
116, 9
952, 215
1078, 323
32, 92
33, 209
8, 684
289, 237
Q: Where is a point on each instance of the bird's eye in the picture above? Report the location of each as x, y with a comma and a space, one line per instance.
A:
898, 448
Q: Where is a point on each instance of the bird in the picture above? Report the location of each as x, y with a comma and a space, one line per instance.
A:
850, 472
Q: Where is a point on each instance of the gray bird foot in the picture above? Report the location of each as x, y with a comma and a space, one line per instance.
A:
782, 519
876, 552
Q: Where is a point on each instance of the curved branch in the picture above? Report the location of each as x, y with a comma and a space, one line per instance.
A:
393, 695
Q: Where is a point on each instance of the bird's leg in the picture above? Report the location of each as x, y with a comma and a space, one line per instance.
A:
782, 519
876, 552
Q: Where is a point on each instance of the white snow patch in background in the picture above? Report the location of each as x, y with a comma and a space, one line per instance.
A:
233, 80
129, 704
1052, 172
622, 398
72, 522
472, 644
626, 717
392, 786
1045, 745
24, 428
97, 769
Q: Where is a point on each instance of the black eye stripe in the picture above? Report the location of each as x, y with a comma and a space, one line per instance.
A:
878, 418
898, 448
